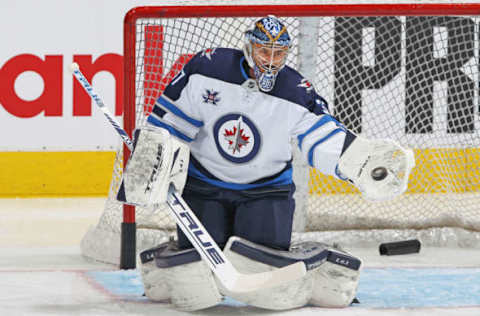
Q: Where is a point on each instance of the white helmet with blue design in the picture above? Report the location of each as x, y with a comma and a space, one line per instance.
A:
266, 49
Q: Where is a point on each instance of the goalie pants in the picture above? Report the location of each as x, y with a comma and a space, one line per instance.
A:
263, 215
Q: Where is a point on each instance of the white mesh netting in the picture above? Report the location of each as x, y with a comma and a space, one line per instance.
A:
413, 79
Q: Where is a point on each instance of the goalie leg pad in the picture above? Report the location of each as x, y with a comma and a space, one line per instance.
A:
158, 160
335, 274
178, 275
331, 280
153, 280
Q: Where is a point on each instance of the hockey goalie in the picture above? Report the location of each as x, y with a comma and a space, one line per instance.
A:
221, 132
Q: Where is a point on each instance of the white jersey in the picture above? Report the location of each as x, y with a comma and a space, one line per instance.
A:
240, 137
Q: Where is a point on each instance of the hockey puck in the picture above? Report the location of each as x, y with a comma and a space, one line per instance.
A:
400, 247
379, 173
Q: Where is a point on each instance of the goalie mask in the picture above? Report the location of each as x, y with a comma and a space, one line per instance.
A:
266, 50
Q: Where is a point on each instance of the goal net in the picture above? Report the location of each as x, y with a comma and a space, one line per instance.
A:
406, 72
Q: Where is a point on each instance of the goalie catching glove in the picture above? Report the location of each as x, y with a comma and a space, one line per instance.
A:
158, 160
378, 168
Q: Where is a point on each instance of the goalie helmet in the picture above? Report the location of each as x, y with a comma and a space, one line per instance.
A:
266, 49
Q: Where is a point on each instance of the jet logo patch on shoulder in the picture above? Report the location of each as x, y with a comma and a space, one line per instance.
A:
208, 53
306, 84
211, 96
236, 137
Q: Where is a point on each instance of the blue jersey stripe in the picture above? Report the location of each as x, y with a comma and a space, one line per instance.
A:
170, 128
175, 110
283, 179
310, 152
324, 120
244, 74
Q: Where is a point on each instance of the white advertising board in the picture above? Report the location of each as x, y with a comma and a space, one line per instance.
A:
40, 40
42, 109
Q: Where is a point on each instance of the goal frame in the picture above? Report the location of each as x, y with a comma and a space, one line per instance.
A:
128, 231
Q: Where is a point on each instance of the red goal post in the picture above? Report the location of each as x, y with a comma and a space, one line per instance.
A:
402, 71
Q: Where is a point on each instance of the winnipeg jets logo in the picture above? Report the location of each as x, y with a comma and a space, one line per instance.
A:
236, 137
211, 96
306, 84
272, 26
208, 53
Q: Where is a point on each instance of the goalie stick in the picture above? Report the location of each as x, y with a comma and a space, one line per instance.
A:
208, 249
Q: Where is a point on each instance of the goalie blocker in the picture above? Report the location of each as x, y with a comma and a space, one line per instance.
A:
181, 277
157, 161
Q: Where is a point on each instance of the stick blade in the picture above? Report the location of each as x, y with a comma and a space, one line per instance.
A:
263, 280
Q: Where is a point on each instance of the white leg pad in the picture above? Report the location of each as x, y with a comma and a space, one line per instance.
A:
331, 280
179, 276
153, 278
334, 285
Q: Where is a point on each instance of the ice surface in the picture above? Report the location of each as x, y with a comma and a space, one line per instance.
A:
43, 273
